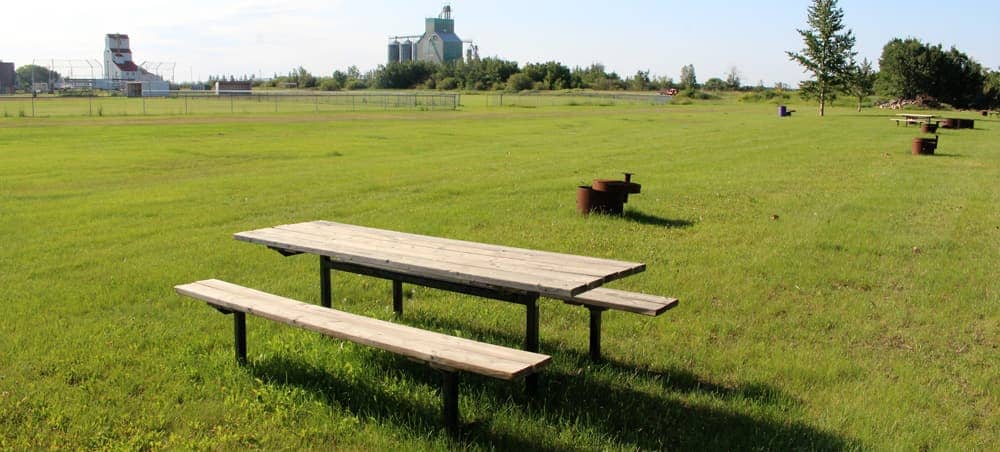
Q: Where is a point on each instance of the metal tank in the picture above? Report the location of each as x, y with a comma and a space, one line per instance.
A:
406, 51
393, 52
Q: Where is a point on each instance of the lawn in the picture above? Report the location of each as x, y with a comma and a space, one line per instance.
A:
836, 291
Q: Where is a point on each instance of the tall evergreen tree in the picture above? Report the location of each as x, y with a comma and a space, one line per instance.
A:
828, 51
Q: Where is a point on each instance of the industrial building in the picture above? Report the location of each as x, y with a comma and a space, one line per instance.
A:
438, 44
8, 78
119, 67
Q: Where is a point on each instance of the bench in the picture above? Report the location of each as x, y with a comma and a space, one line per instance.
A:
602, 299
449, 354
906, 121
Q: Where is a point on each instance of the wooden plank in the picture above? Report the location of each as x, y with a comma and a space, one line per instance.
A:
419, 266
590, 273
426, 346
467, 246
645, 304
539, 263
294, 309
541, 260
444, 256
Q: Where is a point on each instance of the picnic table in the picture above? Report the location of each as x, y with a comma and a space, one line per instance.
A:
515, 275
910, 118
504, 273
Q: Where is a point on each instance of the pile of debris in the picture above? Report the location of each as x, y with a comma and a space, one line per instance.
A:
920, 102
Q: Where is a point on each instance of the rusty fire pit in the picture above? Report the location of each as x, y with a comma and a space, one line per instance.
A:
924, 146
958, 123
606, 196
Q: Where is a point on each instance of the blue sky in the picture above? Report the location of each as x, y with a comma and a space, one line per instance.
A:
266, 37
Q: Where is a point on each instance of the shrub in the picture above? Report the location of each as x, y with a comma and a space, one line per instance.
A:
693, 94
766, 95
519, 82
329, 84
447, 84
355, 84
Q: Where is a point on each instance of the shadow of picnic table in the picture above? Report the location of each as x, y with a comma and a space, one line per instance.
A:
591, 396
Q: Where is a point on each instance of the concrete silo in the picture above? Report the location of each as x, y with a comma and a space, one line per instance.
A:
406, 51
393, 52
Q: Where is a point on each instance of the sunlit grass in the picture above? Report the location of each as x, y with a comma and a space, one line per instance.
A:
836, 292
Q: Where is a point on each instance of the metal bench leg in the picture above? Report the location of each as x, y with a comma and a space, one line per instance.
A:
397, 297
325, 291
240, 334
531, 339
595, 333
449, 395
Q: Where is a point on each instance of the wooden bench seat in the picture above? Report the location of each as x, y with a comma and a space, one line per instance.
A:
447, 353
638, 303
602, 299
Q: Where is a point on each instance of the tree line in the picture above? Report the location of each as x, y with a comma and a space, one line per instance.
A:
908, 69
493, 74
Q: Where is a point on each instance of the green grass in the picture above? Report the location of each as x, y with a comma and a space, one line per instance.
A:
836, 292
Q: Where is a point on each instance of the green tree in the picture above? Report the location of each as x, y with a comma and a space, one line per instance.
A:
519, 82
32, 73
910, 68
688, 79
991, 90
861, 81
404, 75
596, 77
827, 53
551, 75
329, 84
640, 81
480, 74
733, 81
715, 84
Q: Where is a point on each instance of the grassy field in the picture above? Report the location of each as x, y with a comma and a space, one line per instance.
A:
836, 292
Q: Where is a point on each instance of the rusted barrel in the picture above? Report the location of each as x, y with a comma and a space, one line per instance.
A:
583, 199
614, 194
949, 123
928, 127
924, 146
607, 196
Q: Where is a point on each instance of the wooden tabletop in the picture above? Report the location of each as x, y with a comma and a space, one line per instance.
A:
456, 261
909, 115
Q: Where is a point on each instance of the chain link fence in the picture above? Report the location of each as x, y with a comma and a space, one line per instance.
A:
94, 104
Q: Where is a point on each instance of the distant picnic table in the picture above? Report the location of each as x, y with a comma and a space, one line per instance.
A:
910, 118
